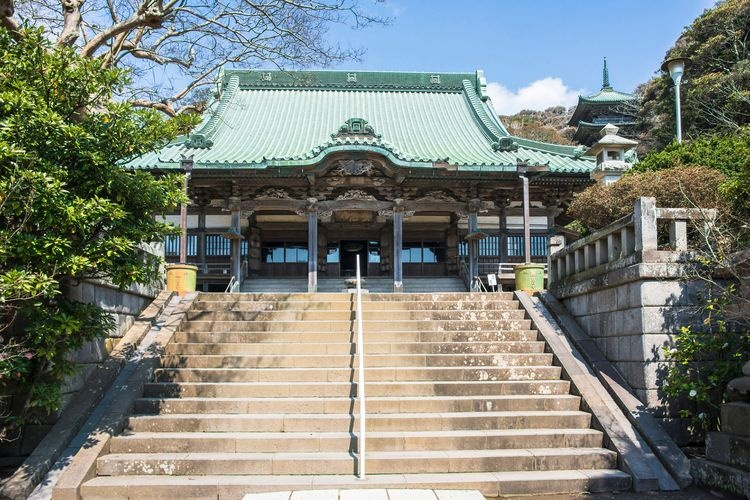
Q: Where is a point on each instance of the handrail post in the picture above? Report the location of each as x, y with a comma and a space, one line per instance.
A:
361, 380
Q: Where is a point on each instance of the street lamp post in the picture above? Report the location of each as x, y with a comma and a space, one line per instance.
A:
676, 67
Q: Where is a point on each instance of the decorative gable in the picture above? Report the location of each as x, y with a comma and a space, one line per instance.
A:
356, 127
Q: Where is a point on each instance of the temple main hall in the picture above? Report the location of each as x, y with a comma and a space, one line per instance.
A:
293, 174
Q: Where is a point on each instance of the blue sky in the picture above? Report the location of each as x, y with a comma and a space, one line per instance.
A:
535, 53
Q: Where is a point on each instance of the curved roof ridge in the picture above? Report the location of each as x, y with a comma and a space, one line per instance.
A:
355, 141
203, 137
494, 132
560, 149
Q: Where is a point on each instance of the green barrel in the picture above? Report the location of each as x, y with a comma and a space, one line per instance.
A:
530, 277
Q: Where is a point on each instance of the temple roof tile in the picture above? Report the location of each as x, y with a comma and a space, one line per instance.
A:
267, 119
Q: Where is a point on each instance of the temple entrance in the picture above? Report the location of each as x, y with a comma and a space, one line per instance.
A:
349, 251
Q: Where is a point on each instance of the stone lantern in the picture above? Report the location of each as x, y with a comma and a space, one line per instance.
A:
613, 157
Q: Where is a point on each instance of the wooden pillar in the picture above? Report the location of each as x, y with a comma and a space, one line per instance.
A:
526, 221
312, 250
236, 258
473, 246
503, 232
398, 239
202, 238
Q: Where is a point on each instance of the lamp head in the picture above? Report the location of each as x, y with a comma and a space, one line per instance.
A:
232, 233
676, 67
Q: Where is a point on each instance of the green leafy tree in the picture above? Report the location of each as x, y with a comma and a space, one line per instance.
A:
68, 210
716, 85
728, 153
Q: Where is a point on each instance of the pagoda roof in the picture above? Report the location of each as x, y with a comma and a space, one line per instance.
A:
264, 119
607, 95
605, 98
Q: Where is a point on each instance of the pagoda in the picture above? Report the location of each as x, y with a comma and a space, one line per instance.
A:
594, 111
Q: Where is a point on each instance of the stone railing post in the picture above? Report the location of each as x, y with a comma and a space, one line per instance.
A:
554, 244
644, 221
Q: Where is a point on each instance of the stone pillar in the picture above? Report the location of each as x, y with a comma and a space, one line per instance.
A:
398, 239
644, 220
312, 250
554, 244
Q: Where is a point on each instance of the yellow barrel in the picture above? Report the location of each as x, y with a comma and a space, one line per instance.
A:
530, 277
181, 278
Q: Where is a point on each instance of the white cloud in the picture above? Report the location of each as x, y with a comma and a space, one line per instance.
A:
538, 95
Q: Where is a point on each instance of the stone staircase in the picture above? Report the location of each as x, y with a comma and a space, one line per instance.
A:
256, 393
336, 285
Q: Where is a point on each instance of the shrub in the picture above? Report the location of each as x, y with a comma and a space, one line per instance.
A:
689, 186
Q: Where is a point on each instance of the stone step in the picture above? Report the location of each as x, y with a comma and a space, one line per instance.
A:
378, 404
519, 335
277, 348
491, 484
266, 442
346, 297
337, 284
351, 360
348, 389
313, 422
349, 316
378, 462
349, 374
367, 306
370, 326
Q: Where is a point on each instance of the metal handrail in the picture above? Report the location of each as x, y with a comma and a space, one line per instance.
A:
478, 285
230, 286
463, 272
361, 380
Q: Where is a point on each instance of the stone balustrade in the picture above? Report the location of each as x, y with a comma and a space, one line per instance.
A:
627, 241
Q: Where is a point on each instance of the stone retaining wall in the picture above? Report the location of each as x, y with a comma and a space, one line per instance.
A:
124, 306
632, 316
631, 295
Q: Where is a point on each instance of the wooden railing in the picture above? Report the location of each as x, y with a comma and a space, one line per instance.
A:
629, 240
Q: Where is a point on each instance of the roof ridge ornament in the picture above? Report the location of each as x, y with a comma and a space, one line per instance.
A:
605, 76
199, 141
505, 144
356, 127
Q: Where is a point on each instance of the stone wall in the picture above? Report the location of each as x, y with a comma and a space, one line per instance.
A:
632, 314
124, 306
629, 291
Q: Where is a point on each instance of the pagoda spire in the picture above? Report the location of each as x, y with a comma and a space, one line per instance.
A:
605, 76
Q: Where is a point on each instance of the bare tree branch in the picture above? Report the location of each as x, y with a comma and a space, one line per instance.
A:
7, 11
72, 22
173, 48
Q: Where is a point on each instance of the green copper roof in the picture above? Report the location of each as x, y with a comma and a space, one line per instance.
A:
608, 95
275, 119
